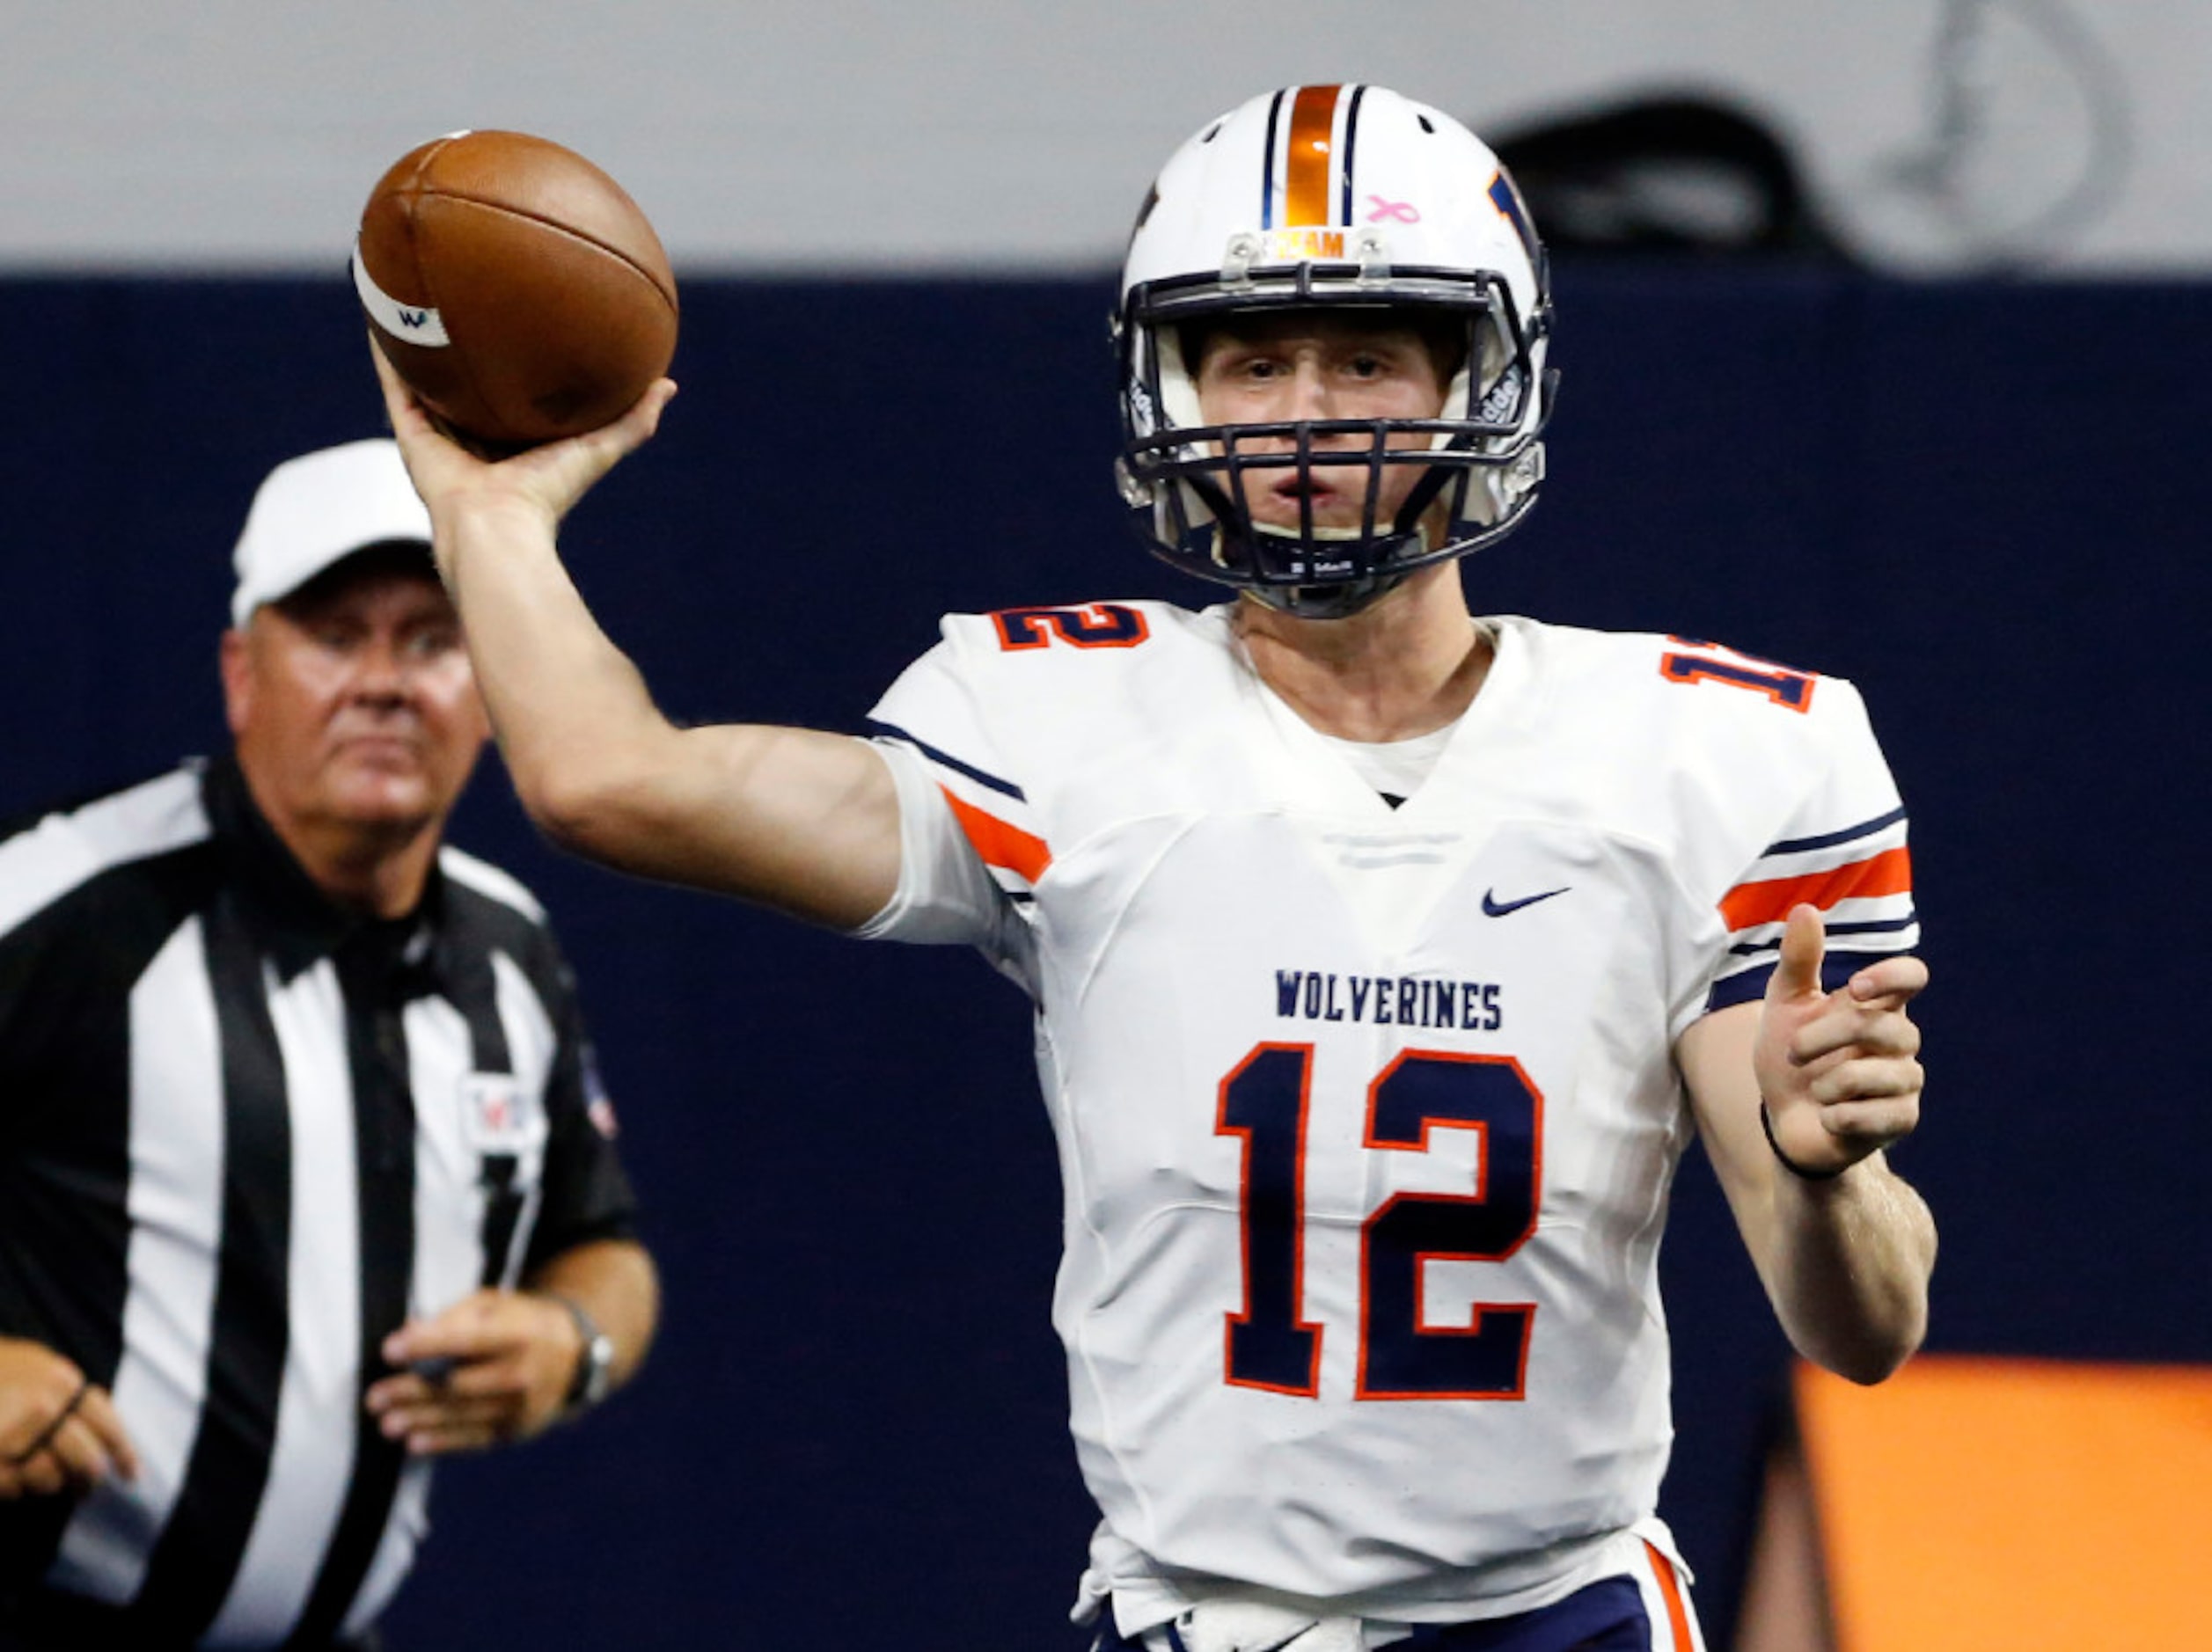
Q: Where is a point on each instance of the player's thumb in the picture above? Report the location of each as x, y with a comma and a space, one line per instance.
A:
1804, 942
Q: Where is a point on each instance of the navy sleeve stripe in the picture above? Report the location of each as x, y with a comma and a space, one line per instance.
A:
1872, 926
1828, 840
1835, 969
950, 761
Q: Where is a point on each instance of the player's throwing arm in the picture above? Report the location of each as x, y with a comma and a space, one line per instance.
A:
801, 821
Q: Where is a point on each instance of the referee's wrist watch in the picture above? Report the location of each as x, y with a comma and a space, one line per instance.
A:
595, 1360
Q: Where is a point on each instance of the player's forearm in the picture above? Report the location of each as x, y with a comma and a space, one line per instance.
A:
614, 1281
803, 821
1850, 1266
800, 819
572, 712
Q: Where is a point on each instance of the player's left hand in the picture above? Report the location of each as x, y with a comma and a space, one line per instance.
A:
493, 1367
1837, 1070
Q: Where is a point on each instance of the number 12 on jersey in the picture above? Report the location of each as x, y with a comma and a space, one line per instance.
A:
1270, 1344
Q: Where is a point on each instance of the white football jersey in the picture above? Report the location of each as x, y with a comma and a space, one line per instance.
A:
1367, 1115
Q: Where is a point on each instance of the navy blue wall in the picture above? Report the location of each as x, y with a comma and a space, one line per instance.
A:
1983, 503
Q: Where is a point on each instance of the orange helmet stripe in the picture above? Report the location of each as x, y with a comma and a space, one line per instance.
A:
1307, 172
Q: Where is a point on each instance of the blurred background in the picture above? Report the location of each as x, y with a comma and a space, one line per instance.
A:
1887, 348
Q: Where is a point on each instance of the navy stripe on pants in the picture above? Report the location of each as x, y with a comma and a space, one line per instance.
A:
1606, 1616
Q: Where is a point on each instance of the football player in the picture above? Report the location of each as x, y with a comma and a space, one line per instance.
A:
1385, 958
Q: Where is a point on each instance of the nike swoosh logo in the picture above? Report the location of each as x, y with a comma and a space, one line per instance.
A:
1492, 906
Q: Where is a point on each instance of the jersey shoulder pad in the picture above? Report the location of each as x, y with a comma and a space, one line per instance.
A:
1015, 712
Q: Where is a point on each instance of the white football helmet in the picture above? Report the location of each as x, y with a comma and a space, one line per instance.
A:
1333, 196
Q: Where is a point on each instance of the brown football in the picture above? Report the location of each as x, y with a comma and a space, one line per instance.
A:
516, 287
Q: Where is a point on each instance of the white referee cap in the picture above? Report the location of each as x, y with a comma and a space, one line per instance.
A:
314, 511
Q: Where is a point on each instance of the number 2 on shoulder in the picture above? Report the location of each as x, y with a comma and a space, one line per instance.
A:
1093, 625
1270, 1344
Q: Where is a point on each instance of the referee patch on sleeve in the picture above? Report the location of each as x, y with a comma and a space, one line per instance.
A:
598, 1107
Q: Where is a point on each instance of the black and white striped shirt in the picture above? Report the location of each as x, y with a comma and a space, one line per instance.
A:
243, 1136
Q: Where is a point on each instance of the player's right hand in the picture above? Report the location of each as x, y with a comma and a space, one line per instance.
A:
57, 1432
543, 483
1838, 1071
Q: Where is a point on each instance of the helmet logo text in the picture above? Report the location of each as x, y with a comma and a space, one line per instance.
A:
1291, 245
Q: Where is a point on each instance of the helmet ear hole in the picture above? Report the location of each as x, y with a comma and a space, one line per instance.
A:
1446, 337
1178, 350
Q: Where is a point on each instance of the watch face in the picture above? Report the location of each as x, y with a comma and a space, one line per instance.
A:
598, 1357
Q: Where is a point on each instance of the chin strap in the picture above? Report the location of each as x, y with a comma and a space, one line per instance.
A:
1342, 599
1327, 602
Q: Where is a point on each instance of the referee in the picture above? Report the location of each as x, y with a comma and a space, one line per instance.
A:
305, 1176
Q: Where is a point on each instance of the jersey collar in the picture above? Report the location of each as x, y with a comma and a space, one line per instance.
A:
295, 921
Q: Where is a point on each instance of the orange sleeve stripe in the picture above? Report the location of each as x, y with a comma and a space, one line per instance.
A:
1889, 873
1671, 1591
1000, 842
1306, 167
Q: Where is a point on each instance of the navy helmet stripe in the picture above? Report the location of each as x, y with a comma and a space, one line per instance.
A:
1267, 165
1351, 132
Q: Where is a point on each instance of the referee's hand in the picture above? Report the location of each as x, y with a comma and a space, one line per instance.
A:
57, 1432
495, 1366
